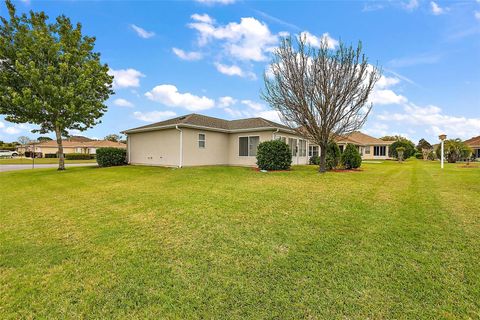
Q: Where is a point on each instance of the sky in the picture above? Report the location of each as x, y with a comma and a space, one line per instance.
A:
209, 56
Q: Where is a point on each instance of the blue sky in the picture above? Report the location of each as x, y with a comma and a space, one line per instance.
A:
174, 58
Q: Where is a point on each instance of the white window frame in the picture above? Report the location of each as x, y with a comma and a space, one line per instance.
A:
248, 145
204, 140
310, 150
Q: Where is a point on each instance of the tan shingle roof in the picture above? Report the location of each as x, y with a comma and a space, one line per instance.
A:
473, 142
362, 139
215, 123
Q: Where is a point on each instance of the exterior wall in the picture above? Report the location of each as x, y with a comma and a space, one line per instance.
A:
214, 153
53, 150
233, 151
296, 160
370, 156
160, 148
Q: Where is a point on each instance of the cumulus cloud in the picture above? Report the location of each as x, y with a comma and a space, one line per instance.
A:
12, 130
248, 40
126, 78
411, 5
386, 96
315, 41
254, 105
234, 70
433, 120
476, 14
227, 101
205, 18
190, 56
233, 112
153, 116
436, 9
120, 102
168, 95
142, 33
2, 125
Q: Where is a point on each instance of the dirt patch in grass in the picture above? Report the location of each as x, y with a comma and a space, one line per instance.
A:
346, 170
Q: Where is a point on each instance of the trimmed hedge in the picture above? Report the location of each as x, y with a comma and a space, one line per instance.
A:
108, 157
333, 156
50, 155
79, 156
274, 155
351, 158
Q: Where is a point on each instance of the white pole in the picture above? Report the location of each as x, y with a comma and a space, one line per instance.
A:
442, 154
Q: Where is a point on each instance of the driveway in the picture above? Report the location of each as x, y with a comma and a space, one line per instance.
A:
13, 167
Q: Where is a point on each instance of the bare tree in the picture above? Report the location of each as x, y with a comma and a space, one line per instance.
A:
321, 93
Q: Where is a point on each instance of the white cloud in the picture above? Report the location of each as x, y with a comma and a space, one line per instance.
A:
205, 18
411, 5
248, 40
253, 105
123, 103
386, 96
234, 70
190, 56
271, 115
168, 95
433, 121
212, 2
224, 102
2, 125
12, 130
125, 78
315, 41
436, 9
142, 33
153, 116
476, 14
233, 112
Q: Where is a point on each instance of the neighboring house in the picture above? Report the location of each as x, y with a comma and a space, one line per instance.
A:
195, 140
369, 147
474, 143
71, 145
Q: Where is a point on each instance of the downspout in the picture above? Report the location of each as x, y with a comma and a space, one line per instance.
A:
275, 134
181, 147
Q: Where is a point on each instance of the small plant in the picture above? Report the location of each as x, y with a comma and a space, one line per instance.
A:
274, 155
333, 155
351, 158
314, 160
108, 157
400, 152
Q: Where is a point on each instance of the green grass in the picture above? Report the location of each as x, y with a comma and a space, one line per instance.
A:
40, 161
395, 241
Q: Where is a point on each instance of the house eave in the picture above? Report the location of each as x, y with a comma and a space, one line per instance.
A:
173, 126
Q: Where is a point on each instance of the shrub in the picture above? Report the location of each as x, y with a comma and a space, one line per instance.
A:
454, 150
432, 156
50, 155
108, 157
418, 155
407, 144
274, 155
78, 156
400, 153
351, 158
314, 160
333, 156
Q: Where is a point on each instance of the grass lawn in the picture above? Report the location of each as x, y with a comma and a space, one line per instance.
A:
395, 241
40, 161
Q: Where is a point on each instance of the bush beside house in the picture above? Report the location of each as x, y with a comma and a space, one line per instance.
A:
333, 155
351, 158
79, 156
273, 155
108, 157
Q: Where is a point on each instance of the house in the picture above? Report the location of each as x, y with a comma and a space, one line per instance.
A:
369, 147
75, 144
474, 143
195, 140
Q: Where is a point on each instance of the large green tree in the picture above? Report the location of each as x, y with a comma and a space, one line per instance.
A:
49, 75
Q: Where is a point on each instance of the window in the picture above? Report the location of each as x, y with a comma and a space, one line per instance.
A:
283, 139
367, 150
379, 151
292, 143
341, 148
303, 148
201, 140
313, 151
247, 146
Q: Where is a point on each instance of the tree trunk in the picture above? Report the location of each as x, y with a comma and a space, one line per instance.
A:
61, 157
323, 159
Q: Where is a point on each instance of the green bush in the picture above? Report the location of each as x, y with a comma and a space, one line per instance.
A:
50, 155
274, 155
351, 158
78, 156
333, 156
407, 144
432, 156
418, 155
108, 157
314, 160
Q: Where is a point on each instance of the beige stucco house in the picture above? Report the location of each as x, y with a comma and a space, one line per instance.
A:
76, 144
195, 140
474, 143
